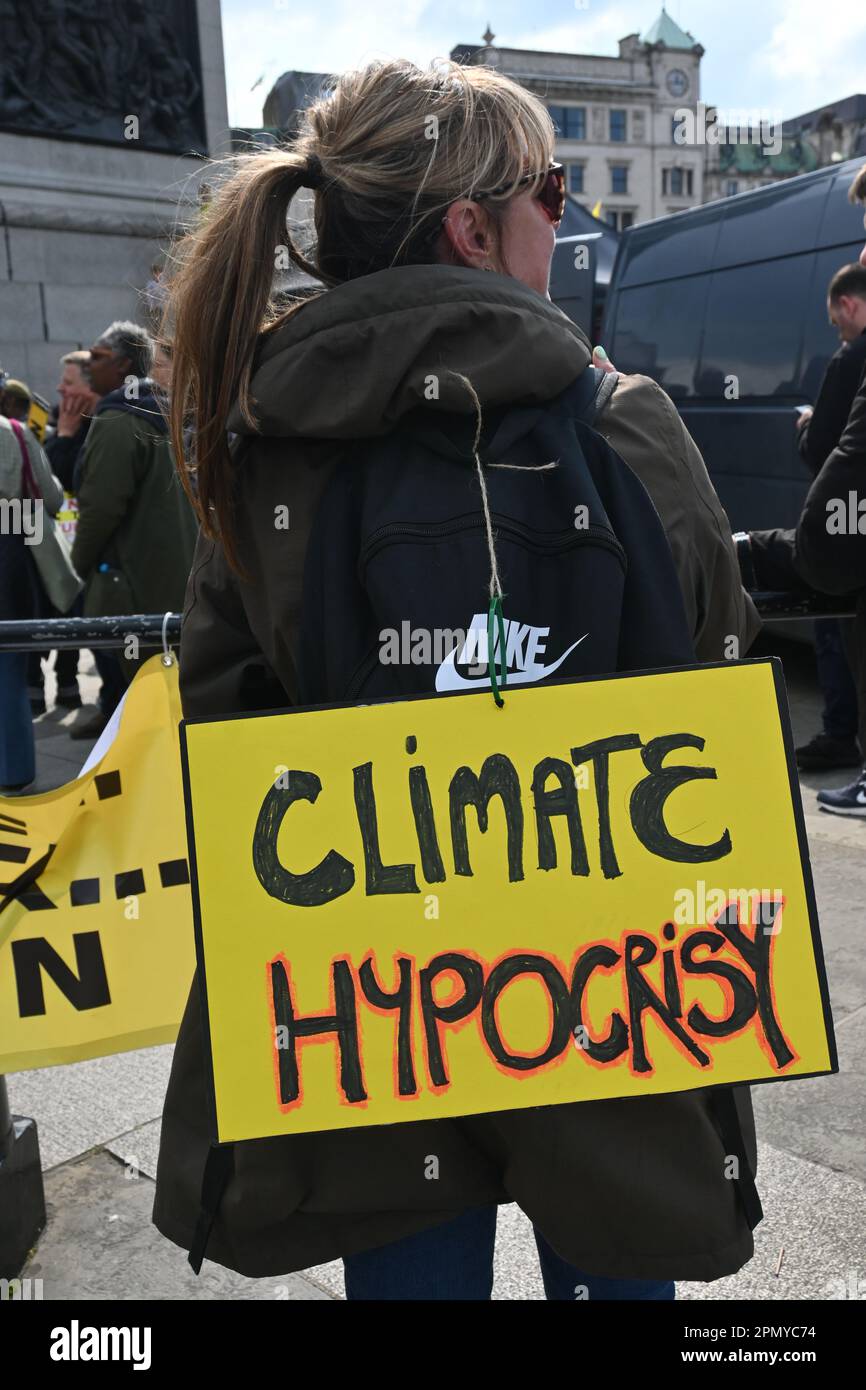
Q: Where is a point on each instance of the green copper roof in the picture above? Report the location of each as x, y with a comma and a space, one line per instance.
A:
795, 157
667, 31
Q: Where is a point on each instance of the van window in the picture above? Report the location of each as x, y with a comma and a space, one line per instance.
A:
778, 222
657, 332
754, 328
670, 250
842, 221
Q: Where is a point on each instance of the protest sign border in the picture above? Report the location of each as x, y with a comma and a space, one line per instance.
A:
783, 708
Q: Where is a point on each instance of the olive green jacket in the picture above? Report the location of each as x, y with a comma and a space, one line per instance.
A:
133, 516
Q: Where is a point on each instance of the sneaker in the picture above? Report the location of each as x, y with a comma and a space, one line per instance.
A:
91, 727
847, 801
824, 753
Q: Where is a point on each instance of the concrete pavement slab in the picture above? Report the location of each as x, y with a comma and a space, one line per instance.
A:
840, 890
100, 1243
139, 1148
87, 1103
822, 1119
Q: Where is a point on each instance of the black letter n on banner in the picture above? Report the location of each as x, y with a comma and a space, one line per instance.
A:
86, 990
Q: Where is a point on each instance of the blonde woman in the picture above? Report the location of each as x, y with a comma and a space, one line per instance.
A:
422, 420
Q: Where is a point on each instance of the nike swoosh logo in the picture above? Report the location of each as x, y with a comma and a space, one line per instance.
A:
449, 678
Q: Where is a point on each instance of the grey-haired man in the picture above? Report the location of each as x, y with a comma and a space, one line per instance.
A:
136, 530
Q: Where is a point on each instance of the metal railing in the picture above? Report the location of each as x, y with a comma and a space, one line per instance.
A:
793, 605
48, 634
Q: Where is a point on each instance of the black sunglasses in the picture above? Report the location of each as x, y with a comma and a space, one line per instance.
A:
551, 194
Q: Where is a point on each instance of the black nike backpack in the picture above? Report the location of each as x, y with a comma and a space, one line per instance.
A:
397, 583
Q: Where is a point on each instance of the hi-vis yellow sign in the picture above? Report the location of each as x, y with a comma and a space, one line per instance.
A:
96, 947
433, 907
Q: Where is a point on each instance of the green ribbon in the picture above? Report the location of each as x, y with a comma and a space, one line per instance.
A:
494, 614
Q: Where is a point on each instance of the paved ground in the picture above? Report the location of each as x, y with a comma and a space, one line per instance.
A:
99, 1125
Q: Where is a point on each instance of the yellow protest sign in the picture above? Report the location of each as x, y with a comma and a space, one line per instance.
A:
67, 517
432, 907
96, 946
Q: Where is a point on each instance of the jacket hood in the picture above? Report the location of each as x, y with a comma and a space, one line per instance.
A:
147, 403
356, 359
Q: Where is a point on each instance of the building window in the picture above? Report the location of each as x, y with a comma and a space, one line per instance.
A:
678, 183
618, 125
570, 121
619, 178
575, 178
618, 219
731, 187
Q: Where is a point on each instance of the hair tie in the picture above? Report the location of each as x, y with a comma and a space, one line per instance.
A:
313, 173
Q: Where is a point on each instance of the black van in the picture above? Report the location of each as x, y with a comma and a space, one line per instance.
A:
725, 307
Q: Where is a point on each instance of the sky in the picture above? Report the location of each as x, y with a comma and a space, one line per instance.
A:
780, 57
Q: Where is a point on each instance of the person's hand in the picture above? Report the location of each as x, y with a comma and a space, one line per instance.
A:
601, 359
73, 407
804, 417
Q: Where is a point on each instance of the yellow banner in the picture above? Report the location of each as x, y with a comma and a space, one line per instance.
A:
96, 946
434, 907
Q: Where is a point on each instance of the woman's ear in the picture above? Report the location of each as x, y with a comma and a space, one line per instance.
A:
467, 232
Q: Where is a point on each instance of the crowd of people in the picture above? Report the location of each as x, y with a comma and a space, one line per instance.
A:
107, 462
832, 444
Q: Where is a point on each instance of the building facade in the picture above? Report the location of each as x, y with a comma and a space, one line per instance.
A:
614, 118
737, 167
835, 132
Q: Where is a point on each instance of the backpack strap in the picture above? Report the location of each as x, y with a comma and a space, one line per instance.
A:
591, 393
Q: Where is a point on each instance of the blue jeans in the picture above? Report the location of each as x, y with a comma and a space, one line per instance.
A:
836, 681
114, 682
454, 1262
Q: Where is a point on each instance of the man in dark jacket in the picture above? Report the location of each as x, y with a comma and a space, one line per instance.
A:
821, 428
136, 530
820, 431
828, 550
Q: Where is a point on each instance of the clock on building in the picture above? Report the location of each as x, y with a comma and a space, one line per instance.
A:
678, 83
